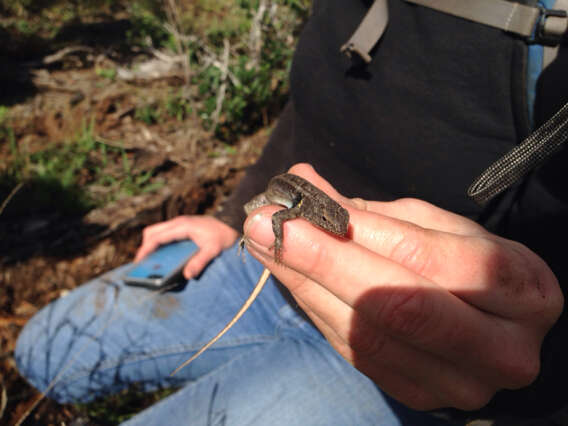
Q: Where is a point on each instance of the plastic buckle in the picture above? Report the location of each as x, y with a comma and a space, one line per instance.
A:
351, 48
540, 35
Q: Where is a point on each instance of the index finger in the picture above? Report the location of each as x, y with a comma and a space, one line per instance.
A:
411, 210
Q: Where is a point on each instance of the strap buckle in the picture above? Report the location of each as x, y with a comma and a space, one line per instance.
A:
547, 32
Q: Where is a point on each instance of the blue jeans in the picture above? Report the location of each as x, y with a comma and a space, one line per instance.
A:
273, 367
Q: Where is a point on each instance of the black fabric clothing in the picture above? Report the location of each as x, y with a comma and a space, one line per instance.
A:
441, 100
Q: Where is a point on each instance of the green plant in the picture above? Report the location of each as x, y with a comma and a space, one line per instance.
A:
70, 164
25, 27
7, 133
149, 114
4, 115
147, 19
249, 95
62, 175
258, 84
109, 73
178, 106
134, 184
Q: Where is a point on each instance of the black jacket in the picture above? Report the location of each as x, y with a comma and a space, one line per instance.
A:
441, 100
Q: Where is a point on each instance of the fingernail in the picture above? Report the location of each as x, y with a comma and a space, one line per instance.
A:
258, 230
187, 274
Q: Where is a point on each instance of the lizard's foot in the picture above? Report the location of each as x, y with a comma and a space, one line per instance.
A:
240, 250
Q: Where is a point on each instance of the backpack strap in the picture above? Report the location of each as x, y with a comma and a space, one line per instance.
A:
536, 24
557, 26
369, 31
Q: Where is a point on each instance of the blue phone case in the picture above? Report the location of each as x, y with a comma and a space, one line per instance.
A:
160, 267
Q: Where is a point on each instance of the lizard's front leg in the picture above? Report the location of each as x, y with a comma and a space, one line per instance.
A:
278, 219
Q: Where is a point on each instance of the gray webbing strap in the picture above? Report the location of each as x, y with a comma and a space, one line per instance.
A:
535, 24
532, 152
369, 31
509, 16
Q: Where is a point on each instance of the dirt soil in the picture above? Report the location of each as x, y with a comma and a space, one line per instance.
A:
46, 253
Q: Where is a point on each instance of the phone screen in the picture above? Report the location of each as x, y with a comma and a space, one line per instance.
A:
163, 265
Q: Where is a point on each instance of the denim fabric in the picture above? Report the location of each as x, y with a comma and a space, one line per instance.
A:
272, 367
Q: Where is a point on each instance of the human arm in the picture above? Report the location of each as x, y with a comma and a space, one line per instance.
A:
433, 308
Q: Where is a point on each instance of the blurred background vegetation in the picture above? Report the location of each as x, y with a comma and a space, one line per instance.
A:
234, 54
115, 114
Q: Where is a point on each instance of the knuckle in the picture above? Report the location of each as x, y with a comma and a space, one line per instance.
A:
365, 341
300, 168
412, 250
526, 279
505, 271
420, 400
468, 396
541, 289
179, 220
473, 396
410, 203
519, 371
526, 373
407, 313
146, 234
359, 203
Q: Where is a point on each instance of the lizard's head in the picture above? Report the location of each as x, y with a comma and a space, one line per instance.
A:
335, 220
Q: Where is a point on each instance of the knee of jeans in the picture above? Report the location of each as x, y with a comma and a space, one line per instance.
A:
29, 363
41, 360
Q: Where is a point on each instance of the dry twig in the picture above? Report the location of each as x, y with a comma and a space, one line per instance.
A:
60, 54
10, 196
255, 37
223, 87
3, 400
173, 15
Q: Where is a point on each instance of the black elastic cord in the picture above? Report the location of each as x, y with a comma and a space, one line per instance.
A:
530, 153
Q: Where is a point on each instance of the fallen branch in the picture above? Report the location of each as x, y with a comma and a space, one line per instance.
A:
59, 55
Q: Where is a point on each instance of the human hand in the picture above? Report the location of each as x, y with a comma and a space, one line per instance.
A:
210, 234
437, 311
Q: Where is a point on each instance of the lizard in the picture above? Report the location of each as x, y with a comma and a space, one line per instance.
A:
301, 199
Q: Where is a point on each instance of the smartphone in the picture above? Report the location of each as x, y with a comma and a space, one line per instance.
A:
161, 267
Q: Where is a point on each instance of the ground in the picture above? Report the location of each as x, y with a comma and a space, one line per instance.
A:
48, 248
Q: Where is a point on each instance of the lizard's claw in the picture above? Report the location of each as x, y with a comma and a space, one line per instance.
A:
240, 250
